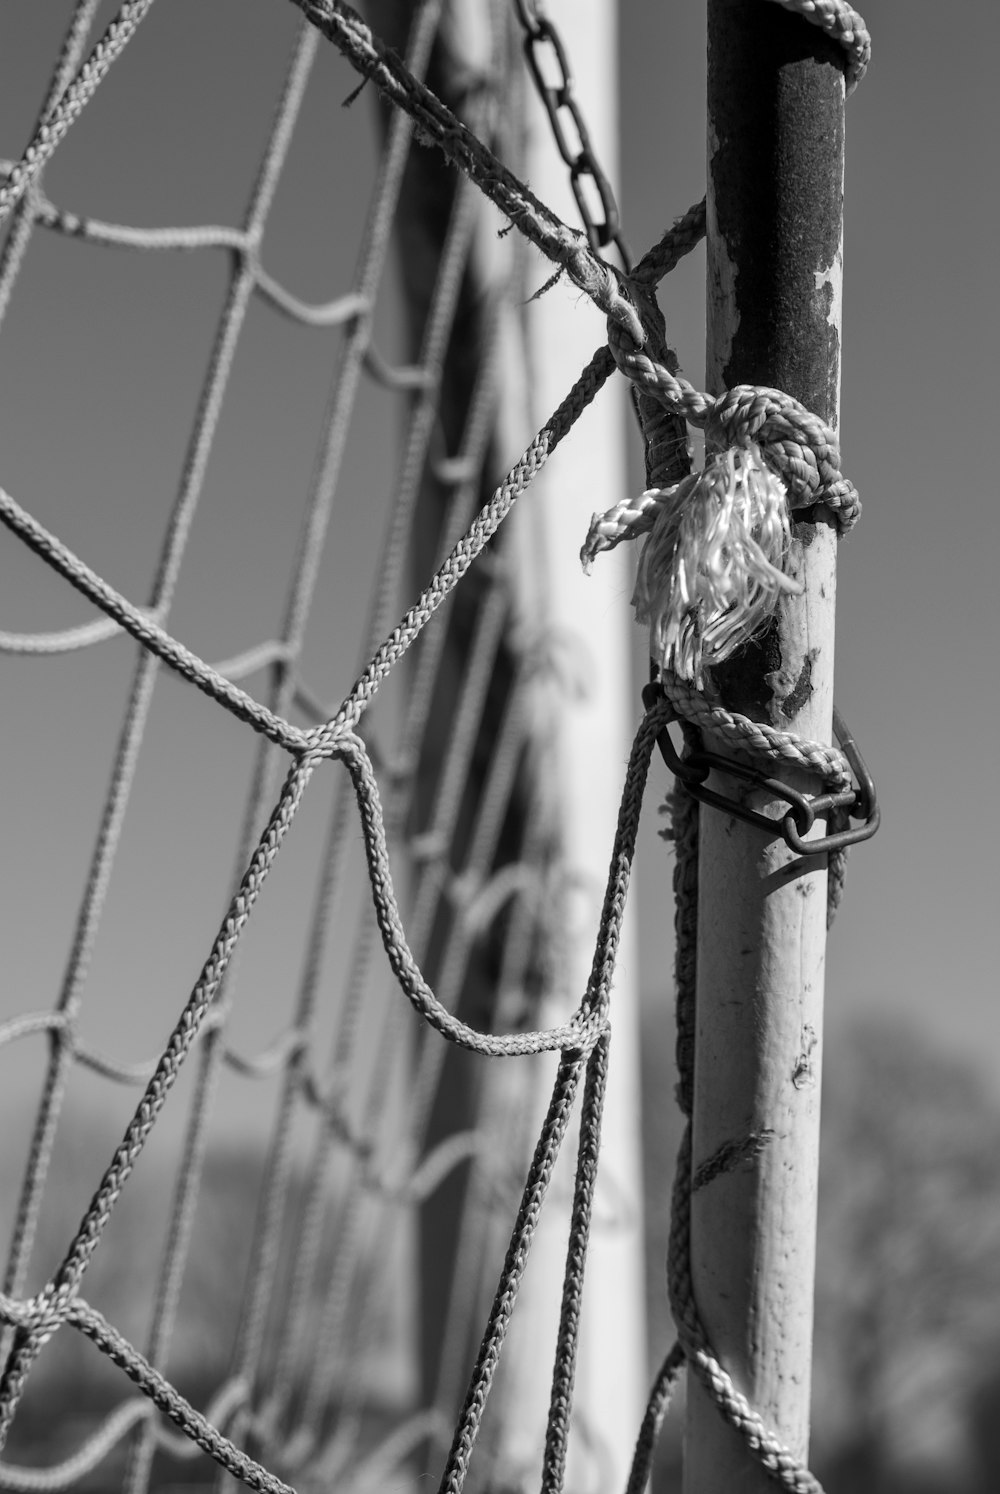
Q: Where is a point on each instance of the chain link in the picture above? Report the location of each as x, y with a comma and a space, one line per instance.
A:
569, 128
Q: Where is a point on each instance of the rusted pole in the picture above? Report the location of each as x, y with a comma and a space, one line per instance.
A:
775, 184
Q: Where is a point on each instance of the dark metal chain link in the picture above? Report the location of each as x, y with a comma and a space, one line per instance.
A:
569, 129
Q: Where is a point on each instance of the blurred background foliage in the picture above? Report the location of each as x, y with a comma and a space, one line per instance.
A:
906, 1389
906, 1378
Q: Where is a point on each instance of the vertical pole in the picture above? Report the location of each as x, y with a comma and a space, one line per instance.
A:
581, 740
775, 182
587, 735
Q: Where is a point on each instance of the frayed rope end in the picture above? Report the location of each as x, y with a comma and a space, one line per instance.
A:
710, 572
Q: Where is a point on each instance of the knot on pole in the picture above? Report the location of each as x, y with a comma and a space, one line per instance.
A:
712, 569
800, 447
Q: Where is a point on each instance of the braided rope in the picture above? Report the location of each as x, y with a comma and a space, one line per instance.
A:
713, 567
561, 1401
332, 739
65, 110
139, 623
808, 457
342, 1295
756, 738
693, 1347
802, 449
770, 1452
540, 1174
563, 245
194, 1424
805, 452
207, 677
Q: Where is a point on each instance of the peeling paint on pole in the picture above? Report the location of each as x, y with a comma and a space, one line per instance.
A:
775, 197
776, 152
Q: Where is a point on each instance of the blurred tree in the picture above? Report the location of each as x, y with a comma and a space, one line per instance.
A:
908, 1281
906, 1385
906, 1390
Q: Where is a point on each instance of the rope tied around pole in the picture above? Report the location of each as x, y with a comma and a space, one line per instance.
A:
772, 455
710, 574
711, 571
693, 1346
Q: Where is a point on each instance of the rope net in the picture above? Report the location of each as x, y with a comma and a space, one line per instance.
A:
357, 1156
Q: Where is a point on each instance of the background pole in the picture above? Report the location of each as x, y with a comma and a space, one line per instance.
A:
775, 184
585, 718
576, 743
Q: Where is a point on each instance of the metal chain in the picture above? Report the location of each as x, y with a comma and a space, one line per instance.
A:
569, 129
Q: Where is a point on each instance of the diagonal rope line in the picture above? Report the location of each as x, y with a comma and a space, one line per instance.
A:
343, 26
209, 411
65, 110
557, 1429
375, 1121
157, 641
140, 698
296, 611
60, 1292
24, 215
582, 1041
457, 561
193, 667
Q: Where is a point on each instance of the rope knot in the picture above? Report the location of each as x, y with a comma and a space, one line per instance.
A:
802, 449
40, 1316
622, 344
713, 566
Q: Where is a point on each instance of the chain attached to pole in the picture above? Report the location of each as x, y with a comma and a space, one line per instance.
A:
858, 803
560, 104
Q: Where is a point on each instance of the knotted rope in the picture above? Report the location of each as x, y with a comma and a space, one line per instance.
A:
782, 457
711, 570
772, 451
802, 449
710, 573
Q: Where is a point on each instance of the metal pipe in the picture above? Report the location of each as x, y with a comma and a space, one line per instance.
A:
775, 164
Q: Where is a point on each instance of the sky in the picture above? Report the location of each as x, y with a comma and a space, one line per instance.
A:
105, 353
101, 356
98, 377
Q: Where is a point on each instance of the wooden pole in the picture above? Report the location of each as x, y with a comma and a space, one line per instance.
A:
775, 181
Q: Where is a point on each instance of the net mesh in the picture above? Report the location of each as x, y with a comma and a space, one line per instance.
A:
364, 1168
363, 1157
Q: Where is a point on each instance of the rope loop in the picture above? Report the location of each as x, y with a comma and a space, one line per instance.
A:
799, 447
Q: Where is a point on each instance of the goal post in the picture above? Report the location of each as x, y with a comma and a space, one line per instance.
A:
586, 714
774, 216
434, 1029
574, 635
